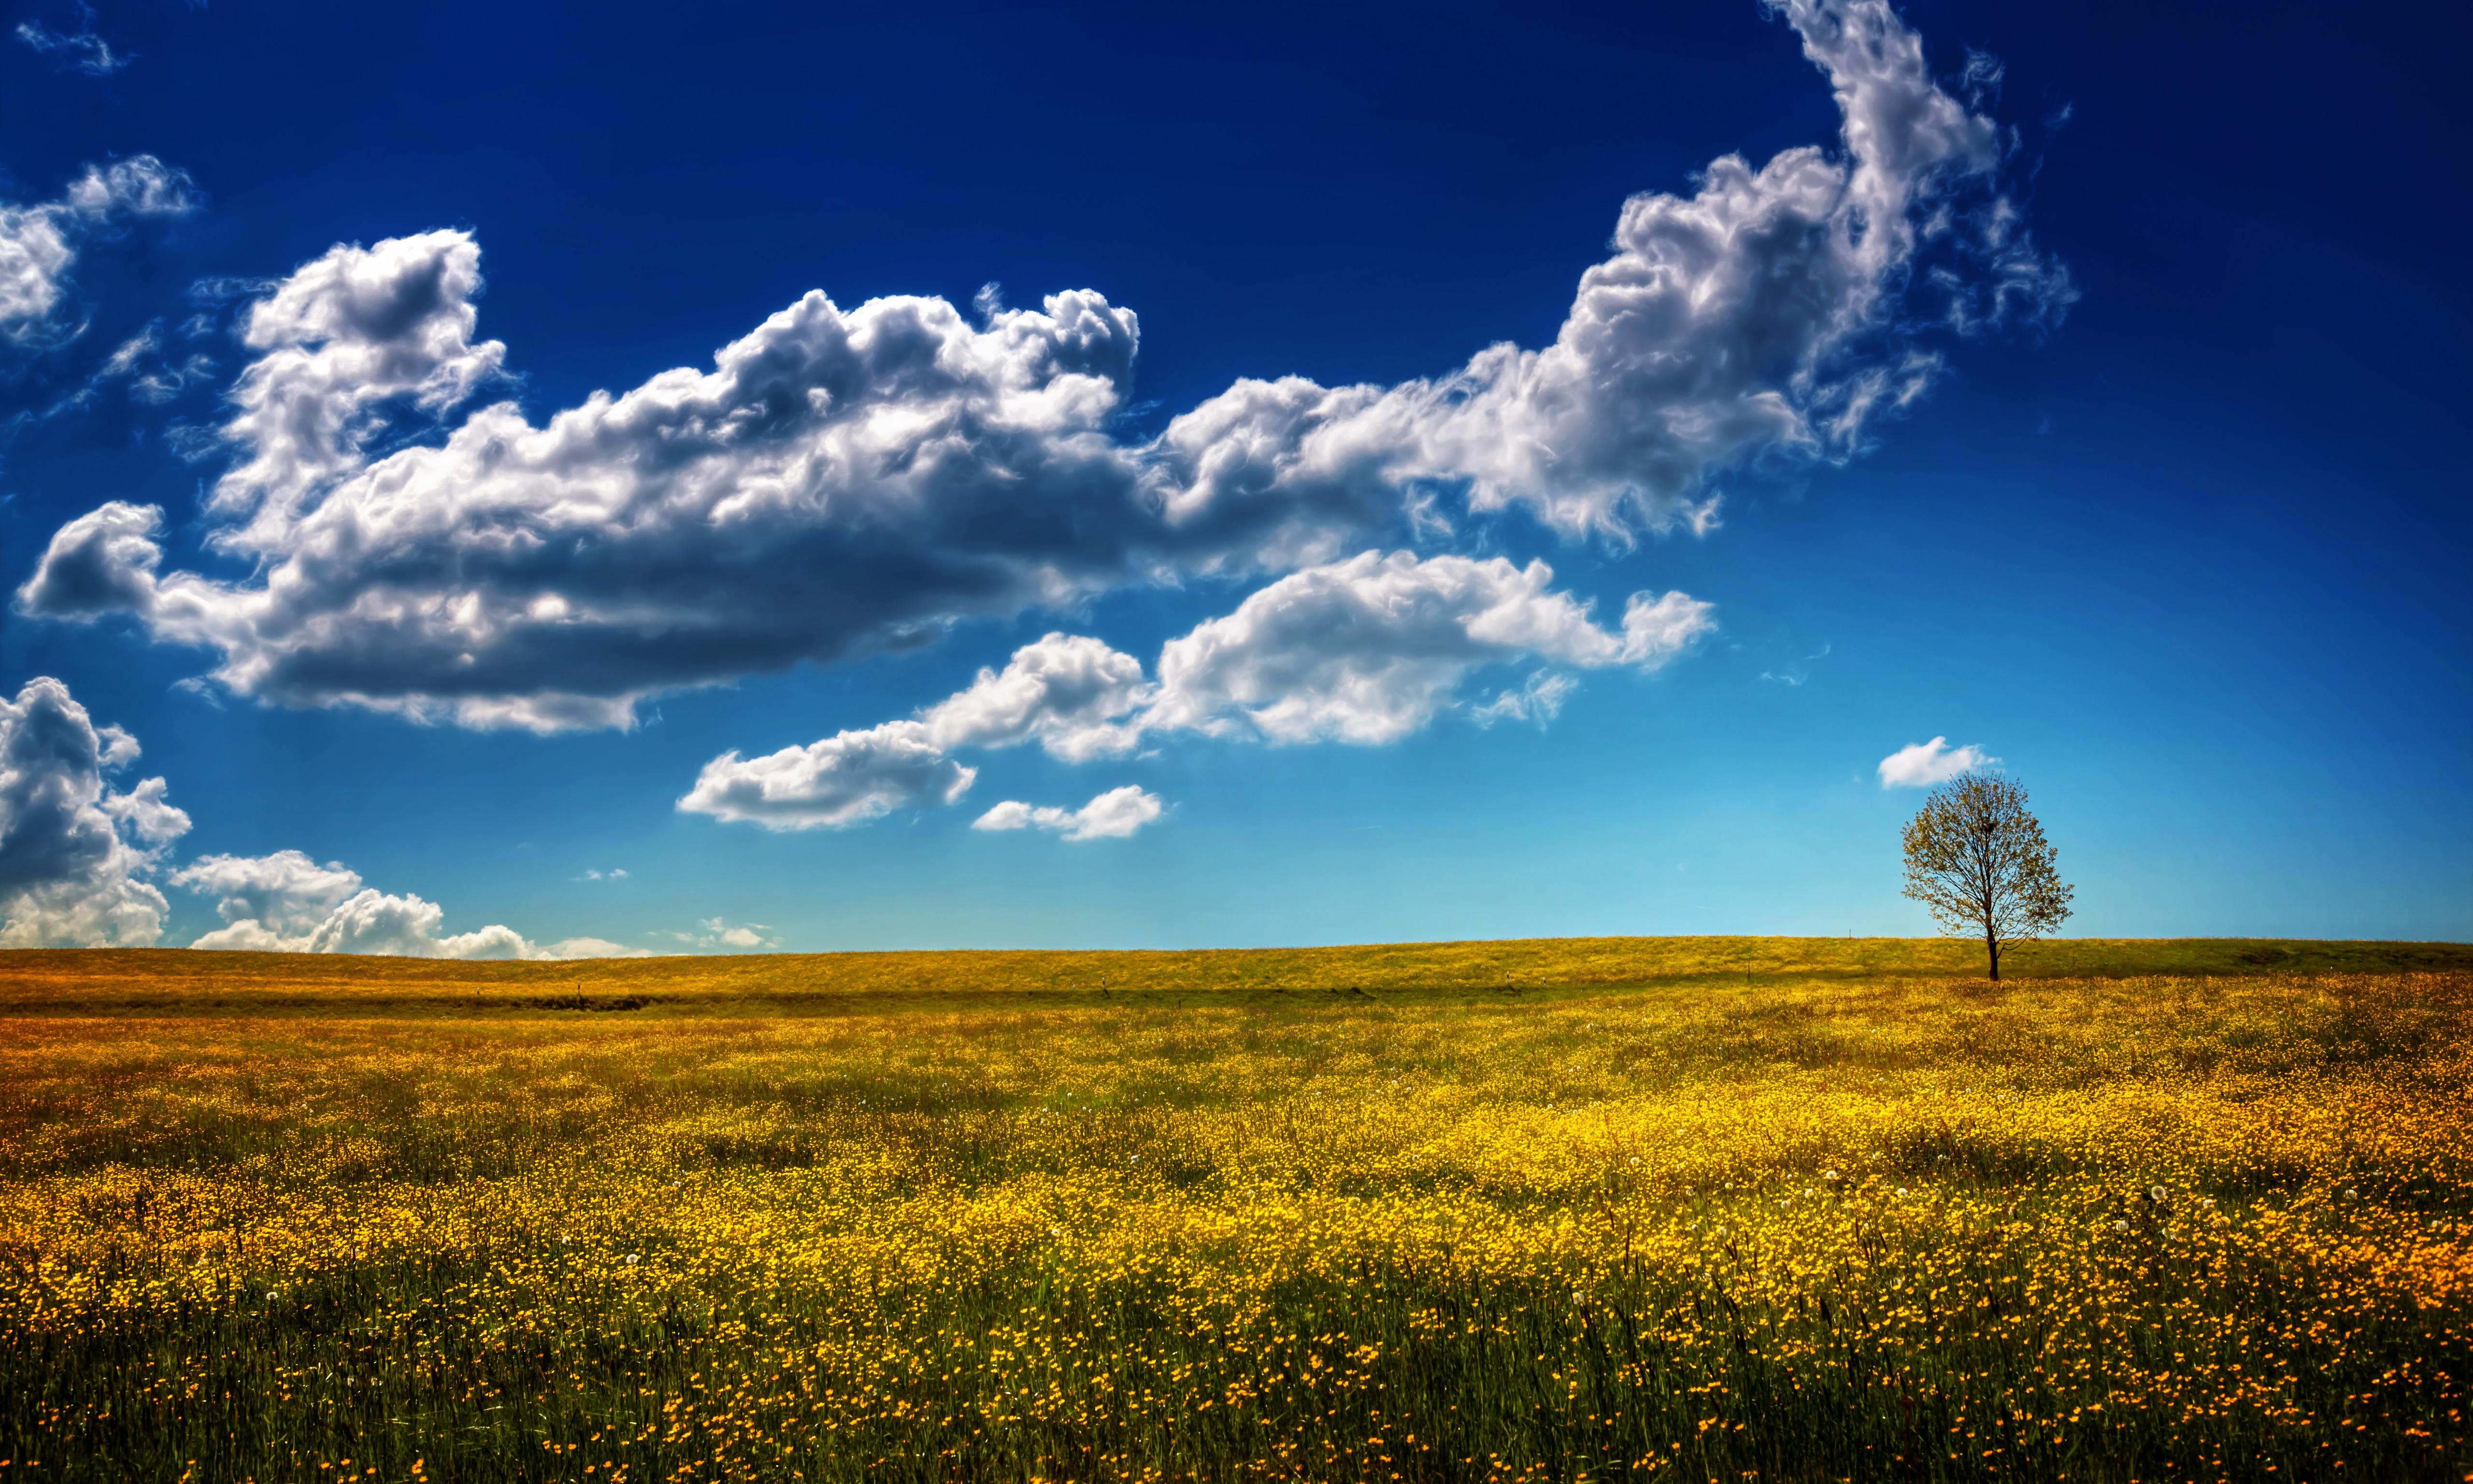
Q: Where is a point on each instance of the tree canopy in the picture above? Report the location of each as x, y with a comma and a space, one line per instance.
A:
1977, 860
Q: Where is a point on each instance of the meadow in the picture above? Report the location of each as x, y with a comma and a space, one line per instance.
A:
1696, 1210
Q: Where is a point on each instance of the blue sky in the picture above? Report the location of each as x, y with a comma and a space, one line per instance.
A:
2086, 395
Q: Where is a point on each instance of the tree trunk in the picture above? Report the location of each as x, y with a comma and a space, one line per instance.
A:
1992, 946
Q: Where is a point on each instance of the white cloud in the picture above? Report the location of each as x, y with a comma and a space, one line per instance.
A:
615, 873
1923, 764
1113, 815
1369, 649
123, 361
844, 481
34, 256
591, 947
1540, 700
285, 892
100, 563
288, 903
83, 51
39, 243
1366, 651
375, 922
140, 186
845, 780
152, 377
348, 331
74, 851
1758, 315
1062, 692
722, 933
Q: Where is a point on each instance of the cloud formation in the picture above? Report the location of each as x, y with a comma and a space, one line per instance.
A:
1064, 692
39, 244
722, 933
83, 51
848, 778
74, 851
153, 377
1368, 650
288, 903
76, 855
1115, 815
1539, 699
843, 480
1923, 764
285, 892
1365, 651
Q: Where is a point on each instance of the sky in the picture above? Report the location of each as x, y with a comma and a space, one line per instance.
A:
574, 482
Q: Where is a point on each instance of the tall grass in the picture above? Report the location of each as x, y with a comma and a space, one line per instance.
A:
1799, 1228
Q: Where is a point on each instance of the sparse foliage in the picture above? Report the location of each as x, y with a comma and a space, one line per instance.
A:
1977, 860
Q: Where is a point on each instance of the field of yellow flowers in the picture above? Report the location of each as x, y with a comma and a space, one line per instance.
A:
1784, 1213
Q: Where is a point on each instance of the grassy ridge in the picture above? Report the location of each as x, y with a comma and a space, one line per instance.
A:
106, 979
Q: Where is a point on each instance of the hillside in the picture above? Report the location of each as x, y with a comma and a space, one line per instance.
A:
154, 979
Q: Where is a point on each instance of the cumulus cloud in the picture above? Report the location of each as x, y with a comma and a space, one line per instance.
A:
345, 335
39, 244
74, 851
283, 892
76, 855
1368, 650
1754, 315
847, 480
375, 922
847, 778
1113, 815
1063, 692
1923, 764
288, 903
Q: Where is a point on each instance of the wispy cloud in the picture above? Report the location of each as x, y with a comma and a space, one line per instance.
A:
1539, 701
83, 50
39, 243
154, 376
1798, 673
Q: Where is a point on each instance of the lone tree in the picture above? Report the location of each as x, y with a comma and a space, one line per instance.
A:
1977, 858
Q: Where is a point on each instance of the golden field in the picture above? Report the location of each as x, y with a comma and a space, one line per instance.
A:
1604, 1209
